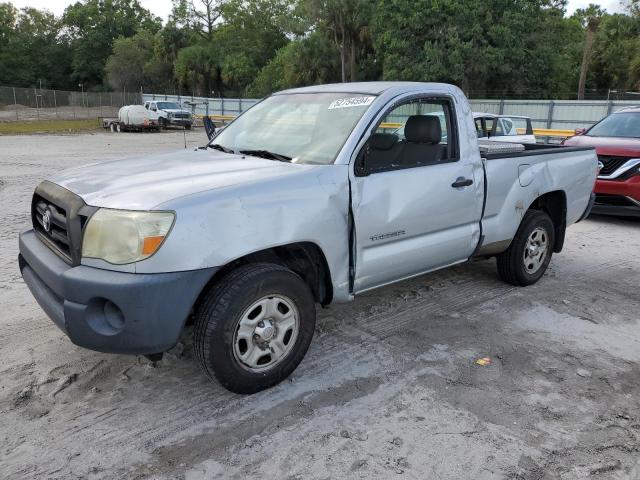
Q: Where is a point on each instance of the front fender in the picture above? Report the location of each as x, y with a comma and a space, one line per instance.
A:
217, 227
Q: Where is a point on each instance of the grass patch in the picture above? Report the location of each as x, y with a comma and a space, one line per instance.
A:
49, 126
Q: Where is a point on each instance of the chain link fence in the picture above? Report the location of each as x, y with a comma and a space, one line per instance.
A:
549, 114
42, 104
18, 104
204, 106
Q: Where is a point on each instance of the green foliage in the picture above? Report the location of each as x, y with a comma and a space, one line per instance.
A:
309, 61
30, 48
347, 23
616, 48
494, 48
238, 48
196, 65
127, 66
94, 25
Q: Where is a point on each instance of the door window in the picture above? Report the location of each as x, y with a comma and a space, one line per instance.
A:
414, 134
480, 128
512, 126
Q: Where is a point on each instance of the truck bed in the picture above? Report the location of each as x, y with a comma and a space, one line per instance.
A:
530, 149
515, 179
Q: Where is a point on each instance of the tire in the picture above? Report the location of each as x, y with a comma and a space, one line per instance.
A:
119, 128
188, 126
518, 266
162, 123
112, 127
245, 356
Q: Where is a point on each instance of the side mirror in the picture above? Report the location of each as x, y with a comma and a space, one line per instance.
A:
580, 131
154, 109
360, 167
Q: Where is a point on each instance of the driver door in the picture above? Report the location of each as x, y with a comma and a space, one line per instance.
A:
417, 209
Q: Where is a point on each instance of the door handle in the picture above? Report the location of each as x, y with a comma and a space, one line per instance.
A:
462, 182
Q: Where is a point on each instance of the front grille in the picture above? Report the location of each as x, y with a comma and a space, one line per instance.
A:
611, 164
51, 222
180, 115
59, 217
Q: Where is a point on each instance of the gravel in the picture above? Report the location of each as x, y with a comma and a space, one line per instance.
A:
389, 388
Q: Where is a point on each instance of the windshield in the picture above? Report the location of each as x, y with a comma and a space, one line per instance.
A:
169, 106
617, 125
307, 127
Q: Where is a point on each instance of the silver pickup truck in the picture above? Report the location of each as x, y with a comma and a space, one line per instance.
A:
305, 199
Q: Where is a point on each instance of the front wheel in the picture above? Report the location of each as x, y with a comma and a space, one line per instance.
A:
254, 327
529, 254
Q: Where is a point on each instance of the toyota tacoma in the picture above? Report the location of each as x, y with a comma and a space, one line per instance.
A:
304, 199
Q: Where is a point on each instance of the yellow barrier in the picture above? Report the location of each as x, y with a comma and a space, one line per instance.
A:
395, 126
221, 118
550, 132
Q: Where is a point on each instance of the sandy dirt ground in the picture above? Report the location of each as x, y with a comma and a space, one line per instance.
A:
389, 388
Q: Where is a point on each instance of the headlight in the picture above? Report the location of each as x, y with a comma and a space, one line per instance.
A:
121, 236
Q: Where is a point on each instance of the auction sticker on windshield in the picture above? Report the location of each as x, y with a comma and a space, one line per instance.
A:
351, 102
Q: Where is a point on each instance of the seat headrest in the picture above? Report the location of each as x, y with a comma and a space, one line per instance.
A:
423, 129
382, 141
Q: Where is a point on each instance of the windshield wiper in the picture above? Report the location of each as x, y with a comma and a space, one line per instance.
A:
222, 148
267, 154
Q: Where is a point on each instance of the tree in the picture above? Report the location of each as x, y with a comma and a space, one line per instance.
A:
615, 46
194, 67
488, 48
93, 25
127, 67
592, 16
32, 49
205, 14
347, 22
307, 61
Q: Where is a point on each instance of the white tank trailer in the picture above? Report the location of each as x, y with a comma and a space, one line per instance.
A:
132, 118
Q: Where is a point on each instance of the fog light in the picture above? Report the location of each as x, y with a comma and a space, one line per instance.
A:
105, 317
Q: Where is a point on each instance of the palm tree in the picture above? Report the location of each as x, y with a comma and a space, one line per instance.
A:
592, 16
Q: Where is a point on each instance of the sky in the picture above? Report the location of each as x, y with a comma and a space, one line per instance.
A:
162, 8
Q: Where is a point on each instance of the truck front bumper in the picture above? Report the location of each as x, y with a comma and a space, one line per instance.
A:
109, 311
181, 122
615, 197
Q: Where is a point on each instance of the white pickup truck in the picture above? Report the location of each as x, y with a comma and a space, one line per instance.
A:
302, 200
170, 113
504, 128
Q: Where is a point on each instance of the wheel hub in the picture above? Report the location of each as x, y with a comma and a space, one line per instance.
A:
536, 250
265, 330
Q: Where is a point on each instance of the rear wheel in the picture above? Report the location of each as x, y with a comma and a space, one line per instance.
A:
254, 327
529, 254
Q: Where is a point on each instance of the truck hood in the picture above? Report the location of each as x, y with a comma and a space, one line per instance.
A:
146, 182
624, 147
